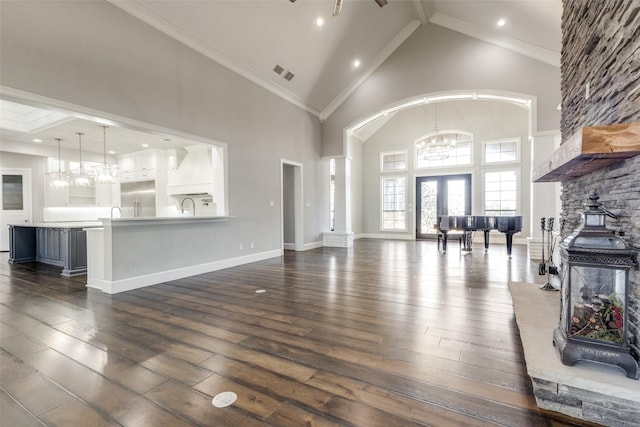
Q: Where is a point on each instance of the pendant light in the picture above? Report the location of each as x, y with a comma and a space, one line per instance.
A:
105, 174
81, 178
58, 178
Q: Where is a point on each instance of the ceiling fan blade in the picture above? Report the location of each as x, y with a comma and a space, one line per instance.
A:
337, 7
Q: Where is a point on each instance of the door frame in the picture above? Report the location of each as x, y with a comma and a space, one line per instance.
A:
298, 203
27, 196
440, 207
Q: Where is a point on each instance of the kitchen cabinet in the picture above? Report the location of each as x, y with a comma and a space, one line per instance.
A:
96, 194
61, 244
141, 165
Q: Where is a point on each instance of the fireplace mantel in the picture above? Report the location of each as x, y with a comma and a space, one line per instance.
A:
589, 149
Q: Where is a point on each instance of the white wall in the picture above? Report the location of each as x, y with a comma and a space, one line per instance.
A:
92, 54
435, 59
486, 120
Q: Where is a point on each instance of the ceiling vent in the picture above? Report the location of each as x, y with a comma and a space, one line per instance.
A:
278, 69
288, 76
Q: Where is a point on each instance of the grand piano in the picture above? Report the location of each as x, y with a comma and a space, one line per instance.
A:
465, 224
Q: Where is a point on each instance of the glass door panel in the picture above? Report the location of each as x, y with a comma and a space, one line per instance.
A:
428, 206
440, 195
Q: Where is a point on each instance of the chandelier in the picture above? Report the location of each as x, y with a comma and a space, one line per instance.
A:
438, 145
59, 179
80, 176
105, 173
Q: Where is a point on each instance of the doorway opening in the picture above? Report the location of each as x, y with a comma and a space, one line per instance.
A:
440, 195
292, 206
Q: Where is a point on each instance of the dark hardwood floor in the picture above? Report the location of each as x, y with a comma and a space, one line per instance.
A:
389, 333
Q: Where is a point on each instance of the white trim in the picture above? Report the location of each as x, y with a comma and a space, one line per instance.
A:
395, 43
298, 203
128, 284
516, 139
505, 168
471, 163
536, 52
382, 179
102, 117
148, 16
385, 236
390, 153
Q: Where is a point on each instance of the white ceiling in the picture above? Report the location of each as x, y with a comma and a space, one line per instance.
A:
251, 37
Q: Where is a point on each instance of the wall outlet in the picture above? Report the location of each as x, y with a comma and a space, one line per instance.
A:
251, 245
241, 247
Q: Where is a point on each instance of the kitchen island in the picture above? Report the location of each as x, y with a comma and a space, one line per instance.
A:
63, 244
130, 253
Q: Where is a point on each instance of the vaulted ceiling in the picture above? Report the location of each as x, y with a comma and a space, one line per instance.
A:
254, 37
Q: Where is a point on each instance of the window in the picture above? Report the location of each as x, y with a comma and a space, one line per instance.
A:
460, 156
502, 151
332, 194
500, 192
395, 161
393, 203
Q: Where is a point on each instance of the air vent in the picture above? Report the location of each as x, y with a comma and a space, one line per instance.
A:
288, 76
278, 69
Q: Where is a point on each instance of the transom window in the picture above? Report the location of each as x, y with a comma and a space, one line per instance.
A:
393, 161
501, 192
460, 155
394, 203
502, 151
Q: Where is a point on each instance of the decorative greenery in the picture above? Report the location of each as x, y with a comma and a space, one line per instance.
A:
601, 320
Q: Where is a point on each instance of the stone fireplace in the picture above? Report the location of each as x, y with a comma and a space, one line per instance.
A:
601, 56
600, 127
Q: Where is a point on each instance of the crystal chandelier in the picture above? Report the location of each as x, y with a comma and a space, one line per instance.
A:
438, 145
80, 176
59, 179
105, 173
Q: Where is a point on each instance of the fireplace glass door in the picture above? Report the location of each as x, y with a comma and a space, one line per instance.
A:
597, 303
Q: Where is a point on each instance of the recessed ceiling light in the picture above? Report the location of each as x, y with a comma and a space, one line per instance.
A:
501, 22
145, 145
37, 140
320, 22
112, 152
356, 63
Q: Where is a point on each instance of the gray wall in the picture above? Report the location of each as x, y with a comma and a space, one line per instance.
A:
436, 59
94, 55
485, 119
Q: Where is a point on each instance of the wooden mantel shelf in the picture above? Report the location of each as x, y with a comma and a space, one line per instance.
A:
590, 149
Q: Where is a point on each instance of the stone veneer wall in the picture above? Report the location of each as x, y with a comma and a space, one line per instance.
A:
601, 47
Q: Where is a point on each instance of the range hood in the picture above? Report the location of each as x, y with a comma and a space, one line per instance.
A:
194, 175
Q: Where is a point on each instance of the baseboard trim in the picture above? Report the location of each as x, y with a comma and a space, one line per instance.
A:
131, 283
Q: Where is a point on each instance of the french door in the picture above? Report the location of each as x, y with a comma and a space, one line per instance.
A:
440, 195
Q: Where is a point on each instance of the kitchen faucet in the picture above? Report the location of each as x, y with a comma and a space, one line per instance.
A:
182, 205
116, 207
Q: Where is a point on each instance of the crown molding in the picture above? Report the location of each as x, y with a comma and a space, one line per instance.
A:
373, 66
536, 52
143, 13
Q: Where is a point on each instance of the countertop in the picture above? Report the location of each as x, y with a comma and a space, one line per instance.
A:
63, 224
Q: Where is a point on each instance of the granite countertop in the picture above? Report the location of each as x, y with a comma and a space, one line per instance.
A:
62, 224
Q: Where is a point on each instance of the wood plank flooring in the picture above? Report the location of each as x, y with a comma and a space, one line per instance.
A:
388, 333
